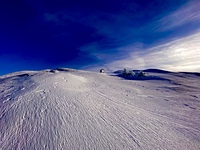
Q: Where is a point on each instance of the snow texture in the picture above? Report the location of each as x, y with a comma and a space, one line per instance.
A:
69, 109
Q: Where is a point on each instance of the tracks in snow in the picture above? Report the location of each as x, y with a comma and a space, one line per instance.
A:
83, 111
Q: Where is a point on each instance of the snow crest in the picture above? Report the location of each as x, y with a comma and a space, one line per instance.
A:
67, 109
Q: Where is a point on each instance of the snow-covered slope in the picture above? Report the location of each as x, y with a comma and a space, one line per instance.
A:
70, 109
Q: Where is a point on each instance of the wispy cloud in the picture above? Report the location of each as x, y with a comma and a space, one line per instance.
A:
126, 40
188, 13
180, 55
51, 17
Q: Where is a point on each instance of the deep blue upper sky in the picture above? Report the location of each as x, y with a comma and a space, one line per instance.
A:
39, 34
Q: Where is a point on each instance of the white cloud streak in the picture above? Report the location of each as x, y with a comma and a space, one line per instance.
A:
180, 55
188, 13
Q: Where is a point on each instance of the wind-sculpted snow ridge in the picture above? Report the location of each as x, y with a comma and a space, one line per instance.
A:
63, 109
157, 71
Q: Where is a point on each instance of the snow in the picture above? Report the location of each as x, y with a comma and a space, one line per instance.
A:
73, 109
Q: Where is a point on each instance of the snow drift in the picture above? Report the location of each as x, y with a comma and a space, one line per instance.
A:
70, 109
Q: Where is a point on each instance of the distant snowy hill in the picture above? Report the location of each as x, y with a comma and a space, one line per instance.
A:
66, 109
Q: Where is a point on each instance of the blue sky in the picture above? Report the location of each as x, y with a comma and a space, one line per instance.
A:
90, 35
